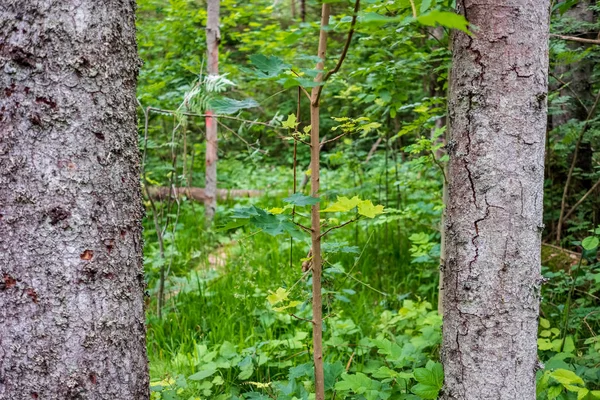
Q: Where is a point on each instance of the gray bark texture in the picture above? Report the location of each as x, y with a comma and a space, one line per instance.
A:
71, 281
213, 37
497, 125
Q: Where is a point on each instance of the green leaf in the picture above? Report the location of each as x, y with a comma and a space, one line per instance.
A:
554, 392
425, 376
582, 393
291, 122
268, 67
198, 376
224, 105
301, 370
445, 18
566, 377
544, 344
425, 5
278, 296
298, 199
569, 346
544, 323
339, 247
372, 18
343, 204
426, 391
291, 304
332, 372
369, 210
590, 242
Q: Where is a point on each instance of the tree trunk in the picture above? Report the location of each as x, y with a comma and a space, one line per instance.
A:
71, 278
497, 120
213, 37
315, 182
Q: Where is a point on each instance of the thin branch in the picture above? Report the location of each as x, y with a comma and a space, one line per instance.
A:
596, 185
572, 168
338, 226
576, 39
568, 86
439, 164
344, 51
307, 229
250, 146
302, 319
335, 138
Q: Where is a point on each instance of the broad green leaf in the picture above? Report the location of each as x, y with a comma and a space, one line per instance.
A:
224, 105
445, 18
246, 373
369, 210
301, 370
425, 5
569, 346
554, 392
425, 376
566, 377
339, 247
427, 392
198, 376
372, 18
582, 393
343, 204
290, 123
268, 67
298, 199
278, 296
291, 304
332, 372
544, 344
544, 323
590, 243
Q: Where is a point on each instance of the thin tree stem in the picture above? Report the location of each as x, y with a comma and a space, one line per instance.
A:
315, 150
563, 203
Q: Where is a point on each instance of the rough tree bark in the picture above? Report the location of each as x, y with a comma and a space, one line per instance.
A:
497, 120
213, 37
71, 278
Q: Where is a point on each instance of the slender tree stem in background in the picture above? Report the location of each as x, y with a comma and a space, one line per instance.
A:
213, 38
563, 203
315, 150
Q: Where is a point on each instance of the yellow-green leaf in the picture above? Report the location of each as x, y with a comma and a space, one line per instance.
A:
278, 296
291, 122
289, 305
343, 204
544, 323
566, 377
369, 210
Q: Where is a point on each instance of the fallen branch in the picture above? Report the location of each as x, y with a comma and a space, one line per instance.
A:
198, 194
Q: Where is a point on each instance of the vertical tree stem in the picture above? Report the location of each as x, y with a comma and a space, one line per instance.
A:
315, 214
213, 37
